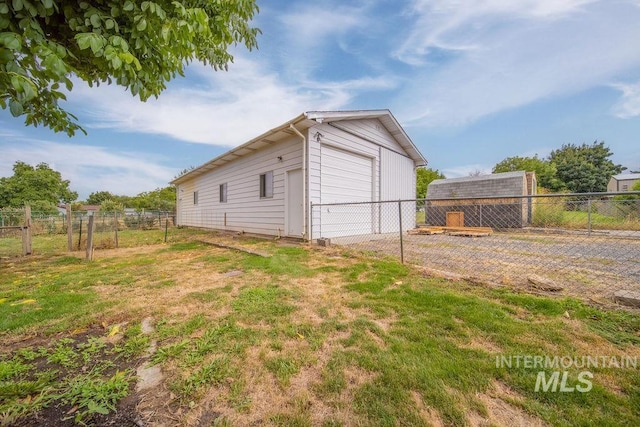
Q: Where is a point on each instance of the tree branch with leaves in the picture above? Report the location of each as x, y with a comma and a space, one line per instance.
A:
140, 45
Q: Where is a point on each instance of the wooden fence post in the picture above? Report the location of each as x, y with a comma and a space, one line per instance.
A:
90, 238
26, 232
115, 225
69, 228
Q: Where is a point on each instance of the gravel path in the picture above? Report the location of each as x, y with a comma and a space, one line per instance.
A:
586, 266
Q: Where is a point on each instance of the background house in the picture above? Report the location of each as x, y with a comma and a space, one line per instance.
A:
622, 182
267, 185
486, 201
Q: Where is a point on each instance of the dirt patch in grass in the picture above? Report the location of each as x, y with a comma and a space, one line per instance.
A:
501, 412
429, 414
481, 343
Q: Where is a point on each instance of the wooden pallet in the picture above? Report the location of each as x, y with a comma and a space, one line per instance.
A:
453, 231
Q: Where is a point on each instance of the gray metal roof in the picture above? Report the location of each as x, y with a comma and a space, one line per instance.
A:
626, 176
479, 178
303, 122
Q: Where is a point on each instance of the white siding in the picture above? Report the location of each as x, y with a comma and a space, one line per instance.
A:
244, 209
347, 161
372, 130
397, 182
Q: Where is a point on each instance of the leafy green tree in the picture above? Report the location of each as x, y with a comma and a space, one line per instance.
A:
40, 186
111, 205
424, 177
97, 197
584, 168
140, 45
160, 199
544, 169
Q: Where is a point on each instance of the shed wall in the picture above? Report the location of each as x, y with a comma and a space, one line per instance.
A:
493, 206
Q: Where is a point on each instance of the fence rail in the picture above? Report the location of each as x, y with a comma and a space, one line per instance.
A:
109, 228
584, 245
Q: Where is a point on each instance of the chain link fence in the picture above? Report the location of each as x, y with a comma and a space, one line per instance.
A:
49, 231
583, 245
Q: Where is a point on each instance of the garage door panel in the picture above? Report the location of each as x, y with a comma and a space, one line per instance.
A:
345, 177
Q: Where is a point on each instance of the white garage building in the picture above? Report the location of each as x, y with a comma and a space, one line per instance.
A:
267, 185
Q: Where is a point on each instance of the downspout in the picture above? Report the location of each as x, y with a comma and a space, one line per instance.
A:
304, 180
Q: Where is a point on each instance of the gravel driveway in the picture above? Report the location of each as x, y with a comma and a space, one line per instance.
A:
587, 266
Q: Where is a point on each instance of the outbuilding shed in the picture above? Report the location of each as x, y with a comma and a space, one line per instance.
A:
497, 200
622, 182
267, 185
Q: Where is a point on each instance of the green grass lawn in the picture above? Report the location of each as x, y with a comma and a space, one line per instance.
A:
304, 337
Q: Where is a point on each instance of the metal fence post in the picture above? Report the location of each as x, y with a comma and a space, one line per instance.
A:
69, 221
589, 216
310, 230
400, 221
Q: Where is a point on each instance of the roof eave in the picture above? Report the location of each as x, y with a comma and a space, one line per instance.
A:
240, 150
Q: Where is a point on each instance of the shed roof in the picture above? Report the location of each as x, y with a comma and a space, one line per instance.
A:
626, 176
303, 122
490, 177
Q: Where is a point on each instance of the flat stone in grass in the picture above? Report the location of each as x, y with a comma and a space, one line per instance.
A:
630, 298
544, 284
233, 273
148, 377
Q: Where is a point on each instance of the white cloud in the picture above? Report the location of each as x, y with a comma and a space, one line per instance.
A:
500, 55
90, 168
460, 24
223, 108
629, 104
310, 26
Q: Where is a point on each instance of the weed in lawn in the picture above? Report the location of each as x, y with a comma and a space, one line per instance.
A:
91, 349
92, 395
134, 346
171, 351
266, 303
210, 374
283, 367
64, 354
51, 381
12, 368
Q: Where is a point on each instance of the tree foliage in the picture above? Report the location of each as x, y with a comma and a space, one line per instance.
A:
584, 168
140, 45
98, 197
160, 199
40, 186
424, 177
109, 205
544, 169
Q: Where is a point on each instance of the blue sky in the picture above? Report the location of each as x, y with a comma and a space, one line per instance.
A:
471, 81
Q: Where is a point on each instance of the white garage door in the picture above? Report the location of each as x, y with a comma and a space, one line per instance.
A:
345, 177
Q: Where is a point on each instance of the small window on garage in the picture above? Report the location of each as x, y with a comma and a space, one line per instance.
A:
266, 185
625, 187
195, 197
223, 193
